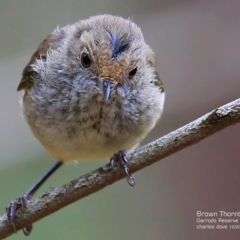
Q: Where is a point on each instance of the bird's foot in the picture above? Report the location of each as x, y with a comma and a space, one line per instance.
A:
122, 159
12, 208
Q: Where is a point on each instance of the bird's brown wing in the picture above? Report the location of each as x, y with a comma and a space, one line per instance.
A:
158, 82
151, 61
51, 42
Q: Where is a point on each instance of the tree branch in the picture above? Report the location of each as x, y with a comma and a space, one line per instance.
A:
57, 198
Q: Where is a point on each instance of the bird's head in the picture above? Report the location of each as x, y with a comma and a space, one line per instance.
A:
110, 50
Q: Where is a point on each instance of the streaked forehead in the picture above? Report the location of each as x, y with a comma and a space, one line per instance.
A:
119, 42
108, 67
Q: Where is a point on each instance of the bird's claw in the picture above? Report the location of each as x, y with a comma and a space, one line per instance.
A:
12, 208
122, 159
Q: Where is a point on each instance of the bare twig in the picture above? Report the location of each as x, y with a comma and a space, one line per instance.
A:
183, 137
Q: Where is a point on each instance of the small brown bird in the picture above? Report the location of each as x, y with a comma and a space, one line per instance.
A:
90, 91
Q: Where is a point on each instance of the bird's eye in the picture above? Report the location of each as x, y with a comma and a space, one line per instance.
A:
132, 73
86, 60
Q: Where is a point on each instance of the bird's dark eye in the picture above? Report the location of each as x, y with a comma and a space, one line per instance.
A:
86, 60
132, 73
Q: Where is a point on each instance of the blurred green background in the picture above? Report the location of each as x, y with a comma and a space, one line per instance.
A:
197, 44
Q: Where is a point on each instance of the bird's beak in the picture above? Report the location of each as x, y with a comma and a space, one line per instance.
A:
107, 87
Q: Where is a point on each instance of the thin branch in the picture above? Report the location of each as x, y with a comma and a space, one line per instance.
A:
57, 198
